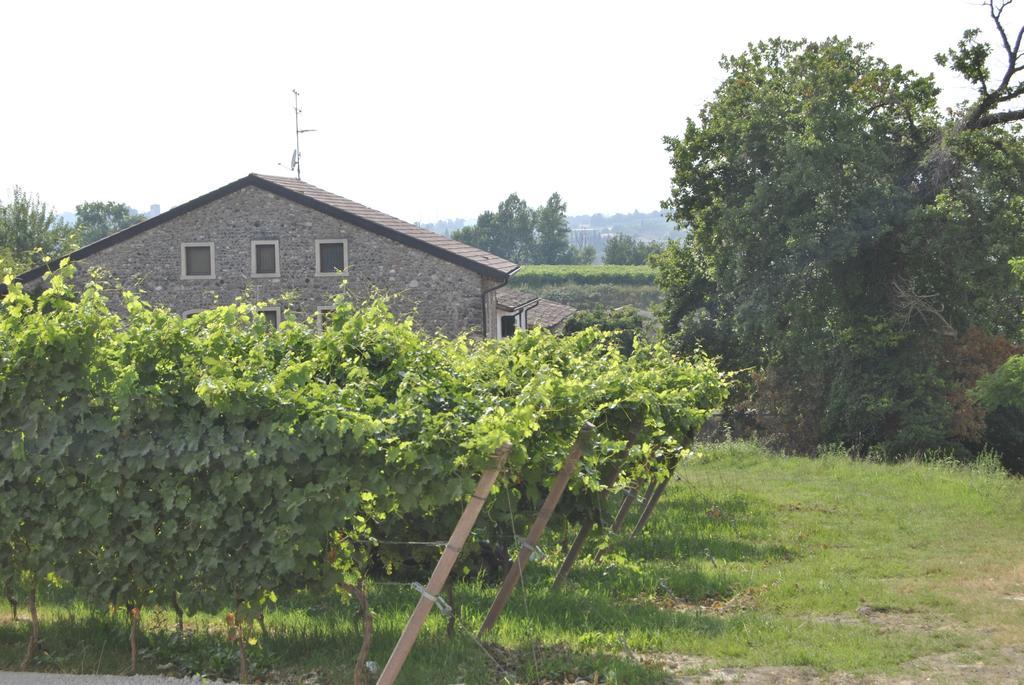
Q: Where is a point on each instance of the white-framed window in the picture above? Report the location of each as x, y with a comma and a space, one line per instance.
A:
508, 324
198, 261
272, 314
266, 262
331, 256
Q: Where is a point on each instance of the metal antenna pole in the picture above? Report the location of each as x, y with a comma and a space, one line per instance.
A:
298, 154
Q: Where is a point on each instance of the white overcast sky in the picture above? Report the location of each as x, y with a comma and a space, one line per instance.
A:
425, 110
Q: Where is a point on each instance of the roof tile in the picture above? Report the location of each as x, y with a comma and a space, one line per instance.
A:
417, 233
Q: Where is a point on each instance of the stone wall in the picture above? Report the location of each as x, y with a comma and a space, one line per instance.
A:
440, 295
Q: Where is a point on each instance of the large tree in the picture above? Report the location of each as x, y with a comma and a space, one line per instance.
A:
30, 232
845, 233
551, 234
96, 220
507, 232
627, 249
525, 235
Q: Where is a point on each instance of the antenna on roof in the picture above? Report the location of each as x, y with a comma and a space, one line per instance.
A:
296, 154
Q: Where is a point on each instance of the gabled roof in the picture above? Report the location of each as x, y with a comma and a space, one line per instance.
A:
548, 314
513, 299
475, 259
539, 311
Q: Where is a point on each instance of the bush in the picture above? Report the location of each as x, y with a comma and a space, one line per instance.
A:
625, 324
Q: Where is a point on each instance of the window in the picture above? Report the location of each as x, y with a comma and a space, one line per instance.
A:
509, 325
197, 260
331, 257
272, 314
264, 259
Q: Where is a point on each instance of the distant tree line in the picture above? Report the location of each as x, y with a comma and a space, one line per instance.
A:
526, 235
627, 249
31, 232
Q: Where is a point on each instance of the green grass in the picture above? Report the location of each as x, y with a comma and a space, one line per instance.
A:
781, 553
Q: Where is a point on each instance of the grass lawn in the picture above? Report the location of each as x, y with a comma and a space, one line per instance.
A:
753, 559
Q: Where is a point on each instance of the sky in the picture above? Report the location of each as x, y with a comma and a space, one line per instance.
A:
424, 110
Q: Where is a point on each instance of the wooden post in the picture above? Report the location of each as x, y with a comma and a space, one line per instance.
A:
627, 503
133, 638
652, 499
33, 638
633, 432
359, 593
574, 553
179, 613
620, 517
651, 487
537, 529
652, 502
444, 567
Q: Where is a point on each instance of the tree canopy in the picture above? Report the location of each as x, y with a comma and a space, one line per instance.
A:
30, 231
525, 235
845, 234
99, 219
626, 249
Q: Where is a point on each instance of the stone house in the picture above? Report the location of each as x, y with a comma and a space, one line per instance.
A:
294, 246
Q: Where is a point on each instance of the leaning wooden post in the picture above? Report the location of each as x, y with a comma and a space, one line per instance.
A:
627, 503
537, 529
649, 493
649, 508
620, 517
444, 567
574, 553
652, 499
633, 432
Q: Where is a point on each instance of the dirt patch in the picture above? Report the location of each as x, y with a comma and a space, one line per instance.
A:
676, 664
509, 662
717, 606
890, 620
1005, 667
767, 675
800, 506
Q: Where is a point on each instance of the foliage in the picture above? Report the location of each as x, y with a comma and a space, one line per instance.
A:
752, 559
30, 232
231, 462
521, 234
624, 323
970, 357
99, 219
842, 229
533, 275
551, 234
1001, 395
593, 287
625, 249
508, 232
601, 295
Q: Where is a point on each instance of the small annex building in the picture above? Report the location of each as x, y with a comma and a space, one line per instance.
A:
518, 309
295, 246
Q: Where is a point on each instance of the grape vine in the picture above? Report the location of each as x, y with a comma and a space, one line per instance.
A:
217, 462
